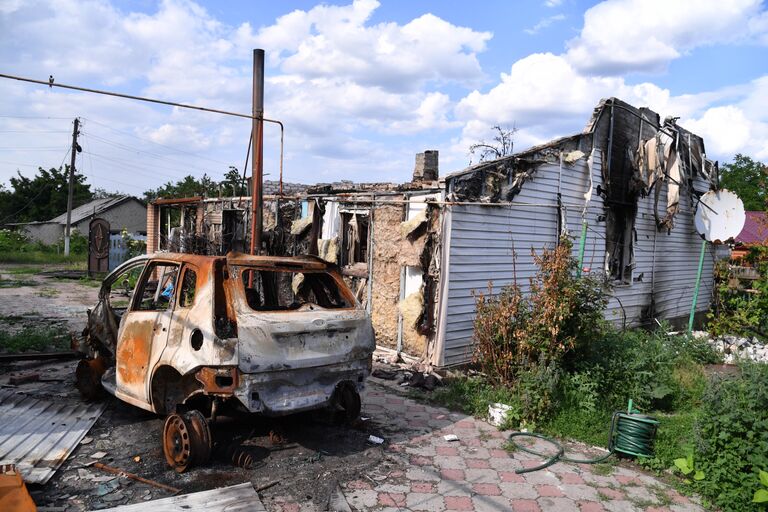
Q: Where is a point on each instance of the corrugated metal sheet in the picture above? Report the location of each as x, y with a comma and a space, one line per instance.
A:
481, 240
225, 499
38, 435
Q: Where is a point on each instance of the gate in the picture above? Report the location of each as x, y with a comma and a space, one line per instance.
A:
98, 247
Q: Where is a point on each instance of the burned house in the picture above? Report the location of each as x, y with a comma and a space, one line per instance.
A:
624, 190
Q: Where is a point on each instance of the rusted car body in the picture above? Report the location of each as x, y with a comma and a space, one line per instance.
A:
257, 334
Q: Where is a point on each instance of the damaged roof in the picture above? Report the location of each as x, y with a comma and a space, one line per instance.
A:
92, 208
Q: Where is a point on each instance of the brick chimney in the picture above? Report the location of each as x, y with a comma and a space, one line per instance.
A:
426, 168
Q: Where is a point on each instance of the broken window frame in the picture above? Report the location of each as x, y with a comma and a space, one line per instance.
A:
343, 295
188, 269
150, 272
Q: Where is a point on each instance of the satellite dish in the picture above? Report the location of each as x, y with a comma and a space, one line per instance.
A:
719, 216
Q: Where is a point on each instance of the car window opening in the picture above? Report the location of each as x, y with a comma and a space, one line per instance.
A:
268, 290
158, 287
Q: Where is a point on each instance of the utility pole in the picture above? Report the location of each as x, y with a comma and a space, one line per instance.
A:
75, 149
258, 151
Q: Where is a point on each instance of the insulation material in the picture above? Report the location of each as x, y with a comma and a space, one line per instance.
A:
390, 252
410, 308
298, 227
409, 226
573, 156
296, 282
328, 249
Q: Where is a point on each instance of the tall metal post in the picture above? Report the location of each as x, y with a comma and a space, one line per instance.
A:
75, 132
698, 284
257, 146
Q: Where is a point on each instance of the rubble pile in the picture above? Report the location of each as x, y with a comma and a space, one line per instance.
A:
735, 348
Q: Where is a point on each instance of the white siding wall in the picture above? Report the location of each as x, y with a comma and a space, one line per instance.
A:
480, 241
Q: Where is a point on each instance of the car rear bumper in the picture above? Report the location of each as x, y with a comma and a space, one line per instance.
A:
277, 393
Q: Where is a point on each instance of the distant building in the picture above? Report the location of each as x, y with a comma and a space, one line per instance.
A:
122, 212
755, 232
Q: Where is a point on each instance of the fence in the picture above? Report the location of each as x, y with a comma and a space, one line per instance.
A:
118, 250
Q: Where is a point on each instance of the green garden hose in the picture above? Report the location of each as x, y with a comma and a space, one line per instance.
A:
630, 434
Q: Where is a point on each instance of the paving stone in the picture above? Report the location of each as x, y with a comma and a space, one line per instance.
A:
579, 492
454, 488
549, 491
395, 488
487, 489
518, 491
490, 503
571, 478
447, 451
640, 494
590, 506
452, 474
423, 487
610, 493
620, 506
392, 499
362, 499
477, 463
524, 506
511, 476
484, 476
688, 507
553, 504
423, 474
420, 460
541, 478
450, 462
424, 501
458, 503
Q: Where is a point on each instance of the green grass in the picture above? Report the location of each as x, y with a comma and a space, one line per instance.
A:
16, 271
16, 283
48, 292
87, 281
41, 257
34, 339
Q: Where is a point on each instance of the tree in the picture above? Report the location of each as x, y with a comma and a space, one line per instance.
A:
233, 182
42, 197
502, 145
187, 187
748, 178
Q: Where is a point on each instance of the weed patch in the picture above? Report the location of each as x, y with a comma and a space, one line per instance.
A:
34, 339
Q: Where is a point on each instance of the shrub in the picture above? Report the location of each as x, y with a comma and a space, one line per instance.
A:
737, 310
517, 331
732, 438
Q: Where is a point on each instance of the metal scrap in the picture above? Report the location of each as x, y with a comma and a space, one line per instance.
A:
132, 476
38, 435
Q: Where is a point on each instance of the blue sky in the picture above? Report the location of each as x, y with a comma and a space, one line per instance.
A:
364, 85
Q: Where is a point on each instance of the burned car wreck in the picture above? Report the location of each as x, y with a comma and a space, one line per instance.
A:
195, 337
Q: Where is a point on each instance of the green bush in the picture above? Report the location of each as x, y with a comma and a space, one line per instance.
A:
739, 311
732, 438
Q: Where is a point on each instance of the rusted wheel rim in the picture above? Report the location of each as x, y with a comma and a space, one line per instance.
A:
200, 435
177, 444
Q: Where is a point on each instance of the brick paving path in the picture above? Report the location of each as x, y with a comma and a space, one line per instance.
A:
425, 472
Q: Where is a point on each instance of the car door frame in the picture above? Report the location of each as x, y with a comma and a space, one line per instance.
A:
142, 337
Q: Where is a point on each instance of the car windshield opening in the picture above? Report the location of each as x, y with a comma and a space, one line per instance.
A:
278, 290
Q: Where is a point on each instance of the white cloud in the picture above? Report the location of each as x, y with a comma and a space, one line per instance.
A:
621, 36
337, 42
553, 3
544, 23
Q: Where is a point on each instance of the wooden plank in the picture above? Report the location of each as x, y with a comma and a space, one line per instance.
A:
230, 499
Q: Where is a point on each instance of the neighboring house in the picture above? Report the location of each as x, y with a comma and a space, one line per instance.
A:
755, 232
415, 253
122, 212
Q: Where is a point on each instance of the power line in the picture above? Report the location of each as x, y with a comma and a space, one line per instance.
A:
136, 168
134, 150
32, 117
159, 144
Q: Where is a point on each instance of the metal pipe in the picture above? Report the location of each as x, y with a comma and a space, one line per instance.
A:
257, 214
698, 284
